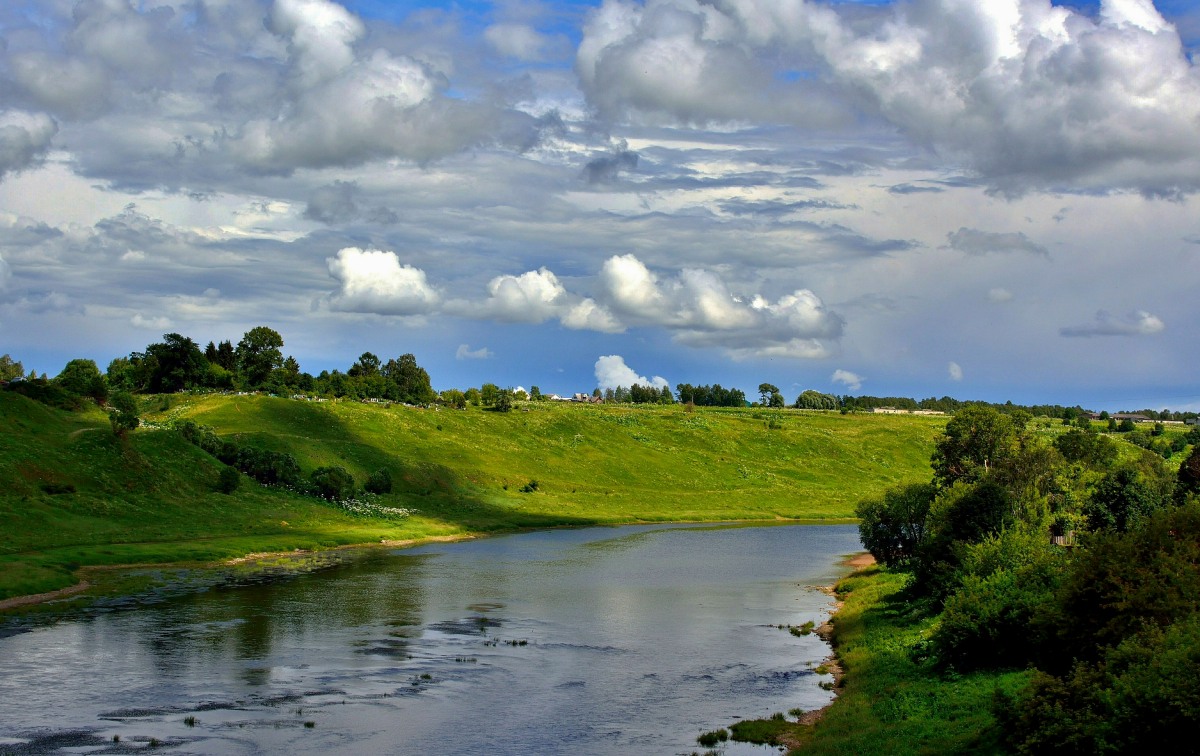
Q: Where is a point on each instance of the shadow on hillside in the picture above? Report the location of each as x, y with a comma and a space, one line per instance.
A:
420, 481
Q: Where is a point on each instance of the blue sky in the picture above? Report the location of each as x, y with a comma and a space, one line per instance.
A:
986, 200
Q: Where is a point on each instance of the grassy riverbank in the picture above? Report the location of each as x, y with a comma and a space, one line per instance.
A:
76, 495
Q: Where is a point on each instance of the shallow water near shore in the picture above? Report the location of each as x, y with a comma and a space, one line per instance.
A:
599, 641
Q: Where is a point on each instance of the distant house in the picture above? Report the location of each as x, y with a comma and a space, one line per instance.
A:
1191, 421
1133, 417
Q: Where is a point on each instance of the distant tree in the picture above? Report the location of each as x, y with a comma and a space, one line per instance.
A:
1086, 447
172, 365
535, 394
488, 394
596, 393
83, 378
1126, 426
258, 354
379, 482
816, 400
228, 480
407, 381
504, 400
765, 392
1188, 479
454, 398
334, 483
472, 396
367, 364
221, 354
1123, 498
9, 370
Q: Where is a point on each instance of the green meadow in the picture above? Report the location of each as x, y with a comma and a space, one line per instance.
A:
77, 496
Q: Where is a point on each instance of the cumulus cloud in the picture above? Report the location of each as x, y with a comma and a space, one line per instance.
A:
974, 242
955, 371
24, 139
699, 306
532, 297
519, 41
374, 281
850, 380
1028, 93
588, 315
999, 295
611, 372
1139, 323
465, 352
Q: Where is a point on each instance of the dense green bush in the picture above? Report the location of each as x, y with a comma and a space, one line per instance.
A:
893, 527
228, 480
1005, 582
333, 483
268, 467
379, 482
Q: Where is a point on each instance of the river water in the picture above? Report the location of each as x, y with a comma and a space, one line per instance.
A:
625, 640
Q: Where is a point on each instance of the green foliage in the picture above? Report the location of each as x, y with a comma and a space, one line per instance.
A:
379, 482
332, 482
1087, 448
504, 401
10, 370
530, 487
268, 467
83, 378
711, 739
124, 415
976, 439
172, 365
1124, 497
47, 393
811, 399
1005, 582
228, 480
257, 355
1189, 474
893, 527
488, 394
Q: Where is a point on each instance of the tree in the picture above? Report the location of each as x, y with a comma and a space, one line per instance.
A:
976, 439
472, 396
1188, 480
765, 392
535, 394
9, 370
334, 483
504, 401
368, 364
408, 381
123, 416
893, 527
258, 354
172, 365
488, 394
83, 378
1123, 498
454, 398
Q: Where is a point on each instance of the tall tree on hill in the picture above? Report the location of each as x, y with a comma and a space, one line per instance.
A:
172, 365
258, 353
9, 370
410, 381
83, 378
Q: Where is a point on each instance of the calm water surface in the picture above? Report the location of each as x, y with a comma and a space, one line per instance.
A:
599, 641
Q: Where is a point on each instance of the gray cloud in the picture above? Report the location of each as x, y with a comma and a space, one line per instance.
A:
24, 139
974, 242
1140, 323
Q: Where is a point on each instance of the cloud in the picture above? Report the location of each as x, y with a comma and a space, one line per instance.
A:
532, 297
153, 324
24, 139
590, 316
973, 242
1140, 323
954, 371
464, 352
611, 372
1027, 93
999, 295
608, 168
519, 41
852, 381
699, 306
374, 281
5, 274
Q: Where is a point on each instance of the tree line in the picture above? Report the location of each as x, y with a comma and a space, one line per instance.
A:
1065, 556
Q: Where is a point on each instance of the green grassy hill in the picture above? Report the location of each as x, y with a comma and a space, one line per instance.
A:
76, 495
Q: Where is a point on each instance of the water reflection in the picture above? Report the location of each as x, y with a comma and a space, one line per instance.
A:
597, 641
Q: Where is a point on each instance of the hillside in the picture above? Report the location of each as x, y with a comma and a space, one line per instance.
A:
76, 495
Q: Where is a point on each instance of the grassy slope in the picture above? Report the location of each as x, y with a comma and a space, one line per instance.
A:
150, 497
889, 703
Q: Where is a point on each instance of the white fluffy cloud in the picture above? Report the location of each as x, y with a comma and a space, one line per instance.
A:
374, 281
532, 297
611, 372
852, 381
699, 306
1140, 323
955, 371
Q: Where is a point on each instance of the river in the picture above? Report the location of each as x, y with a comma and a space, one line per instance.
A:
627, 640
